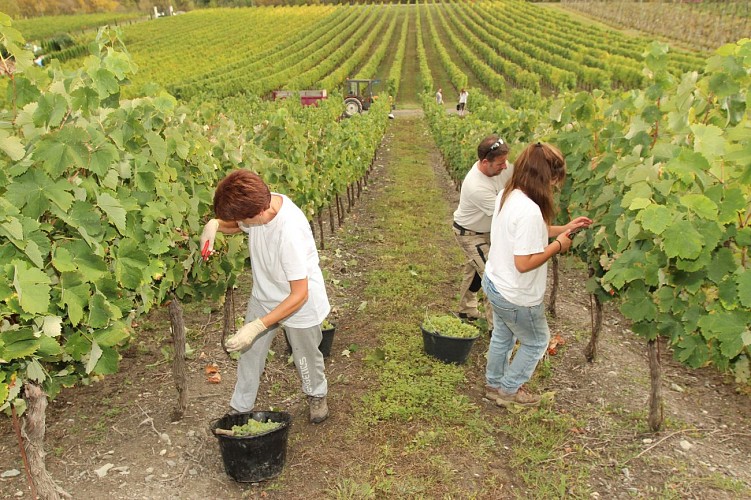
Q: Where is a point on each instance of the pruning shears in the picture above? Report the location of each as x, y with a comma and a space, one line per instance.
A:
205, 252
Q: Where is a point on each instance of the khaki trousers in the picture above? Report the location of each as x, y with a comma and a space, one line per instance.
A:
476, 248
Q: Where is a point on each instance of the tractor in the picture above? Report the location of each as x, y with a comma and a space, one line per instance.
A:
358, 96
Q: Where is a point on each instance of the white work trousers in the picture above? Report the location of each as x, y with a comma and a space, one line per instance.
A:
308, 360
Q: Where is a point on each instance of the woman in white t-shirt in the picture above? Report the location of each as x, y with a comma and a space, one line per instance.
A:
288, 287
516, 270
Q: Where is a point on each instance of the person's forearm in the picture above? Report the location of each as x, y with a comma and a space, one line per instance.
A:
228, 227
292, 303
526, 263
554, 231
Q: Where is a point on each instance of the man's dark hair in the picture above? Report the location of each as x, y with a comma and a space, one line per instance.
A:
491, 148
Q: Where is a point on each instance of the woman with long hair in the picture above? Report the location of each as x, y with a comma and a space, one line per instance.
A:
516, 270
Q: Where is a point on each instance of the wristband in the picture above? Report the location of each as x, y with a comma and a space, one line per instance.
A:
560, 246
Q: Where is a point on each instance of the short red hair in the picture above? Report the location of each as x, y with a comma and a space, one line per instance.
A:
241, 195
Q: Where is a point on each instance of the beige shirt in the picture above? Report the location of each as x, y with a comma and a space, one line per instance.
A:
477, 198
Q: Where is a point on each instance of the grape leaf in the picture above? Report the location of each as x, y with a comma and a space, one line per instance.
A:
114, 209
35, 372
93, 357
656, 218
708, 140
682, 240
12, 146
727, 327
744, 288
33, 288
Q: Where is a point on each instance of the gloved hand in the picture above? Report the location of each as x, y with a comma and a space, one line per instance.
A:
208, 236
245, 336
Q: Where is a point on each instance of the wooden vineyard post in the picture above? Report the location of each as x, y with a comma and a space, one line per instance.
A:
339, 209
331, 219
33, 433
229, 315
655, 394
320, 229
179, 370
553, 288
590, 351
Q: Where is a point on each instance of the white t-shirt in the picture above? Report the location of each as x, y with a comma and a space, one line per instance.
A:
281, 251
463, 97
477, 198
518, 229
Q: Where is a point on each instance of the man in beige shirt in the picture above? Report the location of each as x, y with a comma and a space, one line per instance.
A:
472, 218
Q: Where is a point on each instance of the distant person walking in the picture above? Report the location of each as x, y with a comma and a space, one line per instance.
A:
463, 95
439, 97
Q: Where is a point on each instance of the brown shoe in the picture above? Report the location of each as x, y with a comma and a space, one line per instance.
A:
319, 410
503, 398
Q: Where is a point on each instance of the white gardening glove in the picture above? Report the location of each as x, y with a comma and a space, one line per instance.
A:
207, 238
245, 336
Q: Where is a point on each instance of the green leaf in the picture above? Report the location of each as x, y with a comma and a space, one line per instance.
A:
66, 149
708, 141
727, 327
105, 83
33, 288
51, 109
700, 205
693, 351
84, 99
28, 191
34, 254
113, 335
741, 368
158, 147
26, 92
77, 255
656, 218
17, 344
721, 266
52, 326
130, 263
744, 288
93, 357
12, 228
59, 194
12, 146
101, 311
49, 348
682, 240
638, 305
108, 362
35, 372
114, 209
103, 157
75, 296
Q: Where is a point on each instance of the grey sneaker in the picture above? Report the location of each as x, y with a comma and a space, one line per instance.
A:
319, 410
520, 397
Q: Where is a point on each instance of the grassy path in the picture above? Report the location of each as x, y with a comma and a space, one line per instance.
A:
403, 425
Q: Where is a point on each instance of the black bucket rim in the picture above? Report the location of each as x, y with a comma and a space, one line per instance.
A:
447, 337
214, 424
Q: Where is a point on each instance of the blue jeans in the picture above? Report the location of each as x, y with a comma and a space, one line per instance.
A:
526, 324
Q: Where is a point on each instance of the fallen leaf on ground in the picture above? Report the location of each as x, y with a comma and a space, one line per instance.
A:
214, 378
211, 368
556, 341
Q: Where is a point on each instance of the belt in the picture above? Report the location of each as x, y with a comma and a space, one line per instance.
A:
467, 232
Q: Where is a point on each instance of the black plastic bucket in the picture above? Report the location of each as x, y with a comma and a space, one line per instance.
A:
249, 459
447, 349
326, 342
